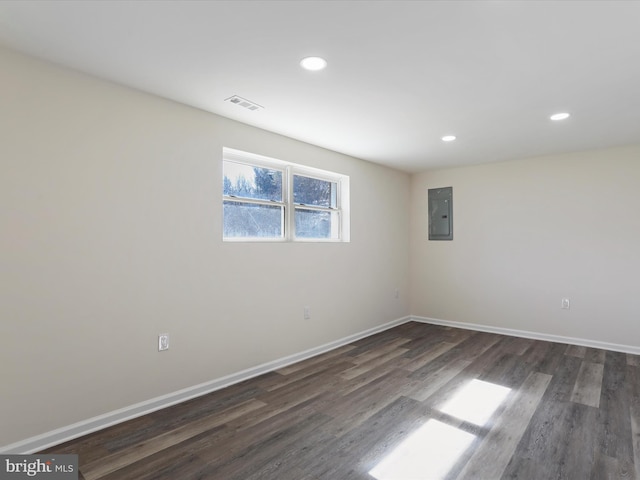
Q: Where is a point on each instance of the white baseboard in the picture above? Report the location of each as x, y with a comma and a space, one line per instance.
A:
64, 434
532, 335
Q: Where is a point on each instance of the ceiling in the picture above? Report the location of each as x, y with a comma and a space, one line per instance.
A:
400, 74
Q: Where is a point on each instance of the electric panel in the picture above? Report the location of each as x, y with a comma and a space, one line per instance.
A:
441, 213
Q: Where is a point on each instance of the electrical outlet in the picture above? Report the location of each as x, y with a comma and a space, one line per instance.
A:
565, 305
307, 313
397, 293
163, 342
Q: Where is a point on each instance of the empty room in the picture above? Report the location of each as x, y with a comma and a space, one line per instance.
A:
319, 240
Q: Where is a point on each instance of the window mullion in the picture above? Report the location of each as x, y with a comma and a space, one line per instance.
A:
303, 206
257, 201
289, 208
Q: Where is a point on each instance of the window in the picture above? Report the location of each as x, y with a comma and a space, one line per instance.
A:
270, 200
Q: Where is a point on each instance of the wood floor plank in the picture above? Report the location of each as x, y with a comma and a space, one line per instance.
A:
614, 423
588, 384
328, 367
494, 453
361, 448
172, 463
343, 405
235, 466
633, 381
361, 368
373, 355
287, 464
477, 350
434, 352
563, 439
422, 343
576, 351
375, 341
516, 346
354, 409
608, 467
559, 443
595, 355
422, 389
94, 446
635, 432
477, 344
103, 466
336, 352
276, 405
351, 385
508, 371
553, 356
580, 444
564, 379
240, 442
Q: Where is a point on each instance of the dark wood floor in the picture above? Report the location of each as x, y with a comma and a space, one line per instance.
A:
403, 404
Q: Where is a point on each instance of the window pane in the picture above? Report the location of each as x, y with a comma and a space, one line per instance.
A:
251, 220
316, 224
313, 191
248, 181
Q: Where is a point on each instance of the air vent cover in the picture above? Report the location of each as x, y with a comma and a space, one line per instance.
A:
243, 102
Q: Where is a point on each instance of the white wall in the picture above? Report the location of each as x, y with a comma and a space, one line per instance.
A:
111, 234
528, 233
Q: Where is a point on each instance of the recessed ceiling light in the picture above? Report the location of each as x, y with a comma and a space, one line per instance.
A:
313, 63
448, 138
559, 116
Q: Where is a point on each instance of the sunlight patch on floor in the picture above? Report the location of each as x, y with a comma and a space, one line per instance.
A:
427, 454
430, 452
476, 402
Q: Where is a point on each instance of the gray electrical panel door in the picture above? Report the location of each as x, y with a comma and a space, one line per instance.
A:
441, 213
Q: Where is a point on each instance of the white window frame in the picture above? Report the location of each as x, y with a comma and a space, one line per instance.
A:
288, 170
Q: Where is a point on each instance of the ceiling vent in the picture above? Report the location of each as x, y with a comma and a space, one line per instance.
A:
243, 102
